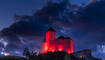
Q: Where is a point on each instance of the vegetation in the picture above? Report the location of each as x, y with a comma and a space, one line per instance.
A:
29, 55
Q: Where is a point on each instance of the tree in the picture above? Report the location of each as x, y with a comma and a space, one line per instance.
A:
26, 53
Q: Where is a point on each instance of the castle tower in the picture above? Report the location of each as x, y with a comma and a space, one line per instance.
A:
50, 36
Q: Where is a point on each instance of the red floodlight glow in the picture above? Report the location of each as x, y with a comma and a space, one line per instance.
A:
60, 48
51, 44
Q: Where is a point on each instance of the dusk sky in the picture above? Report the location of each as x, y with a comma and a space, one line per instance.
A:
21, 7
82, 20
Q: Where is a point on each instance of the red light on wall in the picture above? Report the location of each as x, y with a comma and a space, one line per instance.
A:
71, 46
60, 48
45, 47
52, 49
68, 51
47, 36
50, 35
61, 44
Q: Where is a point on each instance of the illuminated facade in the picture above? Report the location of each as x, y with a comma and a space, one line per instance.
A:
51, 44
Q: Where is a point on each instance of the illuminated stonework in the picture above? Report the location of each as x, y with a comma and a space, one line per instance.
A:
50, 44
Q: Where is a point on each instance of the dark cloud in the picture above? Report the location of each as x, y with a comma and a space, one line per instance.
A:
91, 17
29, 31
86, 26
50, 14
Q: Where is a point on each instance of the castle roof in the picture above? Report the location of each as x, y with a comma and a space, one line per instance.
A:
51, 29
62, 37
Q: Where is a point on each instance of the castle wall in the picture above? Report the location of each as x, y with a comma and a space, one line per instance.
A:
61, 44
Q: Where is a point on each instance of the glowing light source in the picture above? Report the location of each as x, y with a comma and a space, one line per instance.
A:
9, 54
5, 54
81, 56
60, 48
45, 47
52, 49
68, 51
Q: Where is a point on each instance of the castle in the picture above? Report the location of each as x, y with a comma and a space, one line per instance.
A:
52, 44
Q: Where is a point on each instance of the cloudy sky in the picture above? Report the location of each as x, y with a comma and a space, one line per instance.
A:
23, 23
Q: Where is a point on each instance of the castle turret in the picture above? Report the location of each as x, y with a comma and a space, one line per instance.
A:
50, 34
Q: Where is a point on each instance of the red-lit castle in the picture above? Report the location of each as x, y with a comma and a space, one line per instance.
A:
51, 44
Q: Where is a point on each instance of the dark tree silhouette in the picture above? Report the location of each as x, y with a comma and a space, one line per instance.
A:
26, 53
